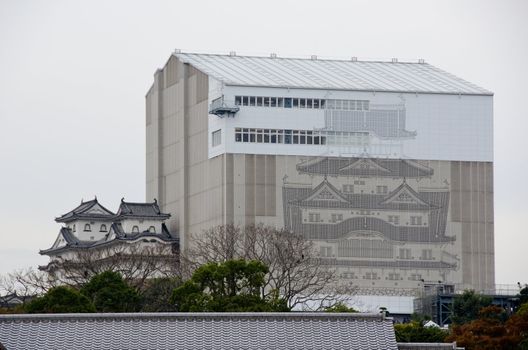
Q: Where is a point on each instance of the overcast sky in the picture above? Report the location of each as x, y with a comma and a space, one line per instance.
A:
73, 76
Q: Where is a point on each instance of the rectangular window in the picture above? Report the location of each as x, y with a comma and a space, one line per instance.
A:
295, 103
371, 276
416, 220
287, 102
245, 100
326, 251
217, 137
252, 100
314, 217
427, 254
405, 253
348, 188
280, 102
259, 101
394, 276
238, 100
337, 217
302, 103
266, 101
394, 219
273, 102
382, 189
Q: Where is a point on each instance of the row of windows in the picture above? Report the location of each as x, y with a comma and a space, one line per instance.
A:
375, 276
298, 102
151, 229
88, 228
405, 253
299, 137
135, 229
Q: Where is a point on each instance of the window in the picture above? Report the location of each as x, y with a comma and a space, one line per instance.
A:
287, 102
405, 253
394, 219
394, 276
314, 217
416, 220
217, 137
238, 100
87, 228
427, 254
152, 229
337, 217
382, 189
348, 188
103, 228
371, 276
73, 227
135, 229
415, 277
245, 101
359, 182
252, 101
326, 251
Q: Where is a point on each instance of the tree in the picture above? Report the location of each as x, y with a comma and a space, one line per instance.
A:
136, 264
339, 307
295, 271
415, 332
60, 300
110, 293
157, 293
466, 306
231, 286
488, 331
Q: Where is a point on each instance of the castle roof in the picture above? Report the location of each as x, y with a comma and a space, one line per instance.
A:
140, 210
87, 210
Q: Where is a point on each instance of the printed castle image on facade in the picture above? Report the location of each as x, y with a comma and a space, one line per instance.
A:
361, 127
378, 215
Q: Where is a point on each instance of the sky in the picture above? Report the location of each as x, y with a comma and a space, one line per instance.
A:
74, 74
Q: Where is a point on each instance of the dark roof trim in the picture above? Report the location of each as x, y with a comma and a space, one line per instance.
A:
192, 316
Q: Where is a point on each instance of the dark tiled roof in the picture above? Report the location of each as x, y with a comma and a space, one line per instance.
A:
87, 210
73, 242
378, 167
198, 331
144, 210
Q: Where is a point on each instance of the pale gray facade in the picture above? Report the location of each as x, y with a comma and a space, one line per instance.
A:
392, 180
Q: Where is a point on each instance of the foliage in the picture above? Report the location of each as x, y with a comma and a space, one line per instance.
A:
466, 306
135, 263
415, 332
523, 295
157, 292
110, 293
339, 307
60, 300
231, 286
295, 270
491, 331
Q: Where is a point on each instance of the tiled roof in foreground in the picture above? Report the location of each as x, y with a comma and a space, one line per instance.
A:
329, 74
198, 331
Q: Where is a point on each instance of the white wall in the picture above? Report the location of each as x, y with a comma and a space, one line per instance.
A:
449, 127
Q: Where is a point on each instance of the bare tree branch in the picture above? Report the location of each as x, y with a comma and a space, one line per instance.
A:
295, 270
